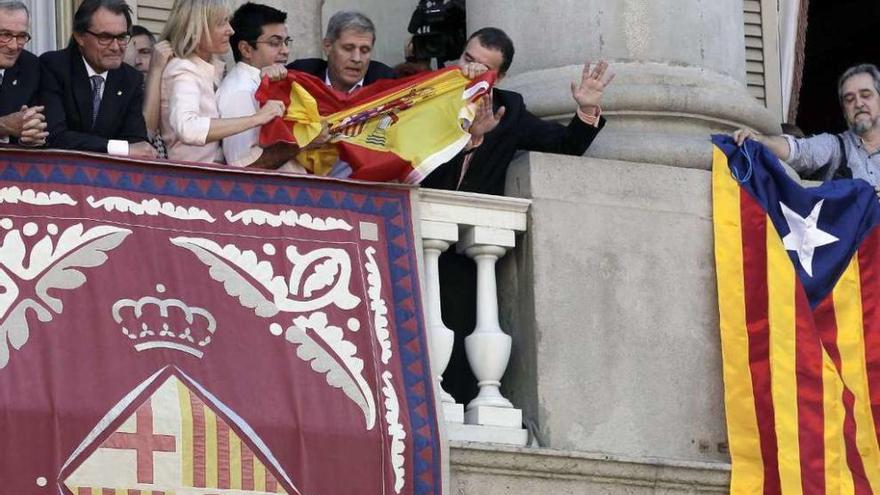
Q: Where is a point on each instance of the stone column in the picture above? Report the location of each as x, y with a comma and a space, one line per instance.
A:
680, 70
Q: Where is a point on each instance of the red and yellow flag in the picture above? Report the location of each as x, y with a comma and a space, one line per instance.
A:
390, 130
798, 294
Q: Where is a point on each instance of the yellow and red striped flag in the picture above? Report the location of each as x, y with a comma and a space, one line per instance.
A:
390, 130
798, 295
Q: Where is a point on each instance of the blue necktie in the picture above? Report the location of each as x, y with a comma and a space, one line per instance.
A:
97, 84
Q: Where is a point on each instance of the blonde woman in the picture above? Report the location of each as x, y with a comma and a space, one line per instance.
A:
198, 32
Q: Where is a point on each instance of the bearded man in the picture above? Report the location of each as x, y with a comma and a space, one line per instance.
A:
855, 153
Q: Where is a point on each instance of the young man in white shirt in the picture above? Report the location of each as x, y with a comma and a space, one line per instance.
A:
260, 43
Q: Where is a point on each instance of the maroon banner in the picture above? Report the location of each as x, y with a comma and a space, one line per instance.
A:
201, 330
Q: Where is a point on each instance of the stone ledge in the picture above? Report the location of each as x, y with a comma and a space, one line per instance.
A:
490, 469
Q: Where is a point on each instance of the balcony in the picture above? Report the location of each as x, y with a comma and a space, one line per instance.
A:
483, 228
604, 281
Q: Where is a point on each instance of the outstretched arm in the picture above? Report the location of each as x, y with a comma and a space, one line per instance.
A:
778, 145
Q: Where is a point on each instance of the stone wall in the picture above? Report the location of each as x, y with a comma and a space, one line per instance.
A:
610, 299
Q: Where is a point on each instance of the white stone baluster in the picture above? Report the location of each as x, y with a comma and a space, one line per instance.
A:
488, 347
484, 228
436, 238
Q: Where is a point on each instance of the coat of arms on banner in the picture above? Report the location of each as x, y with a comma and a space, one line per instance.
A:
200, 331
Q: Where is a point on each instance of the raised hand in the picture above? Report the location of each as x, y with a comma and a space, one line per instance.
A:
588, 94
486, 119
472, 70
162, 53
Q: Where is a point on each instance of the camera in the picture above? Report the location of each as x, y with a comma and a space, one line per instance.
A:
439, 29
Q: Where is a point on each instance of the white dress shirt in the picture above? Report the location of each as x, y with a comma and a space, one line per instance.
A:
235, 99
357, 86
118, 147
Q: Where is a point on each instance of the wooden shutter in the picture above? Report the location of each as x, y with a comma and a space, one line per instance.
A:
754, 50
152, 14
763, 72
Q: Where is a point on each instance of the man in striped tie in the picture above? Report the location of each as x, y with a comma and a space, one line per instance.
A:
93, 100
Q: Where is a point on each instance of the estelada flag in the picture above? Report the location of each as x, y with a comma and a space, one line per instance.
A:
798, 293
399, 129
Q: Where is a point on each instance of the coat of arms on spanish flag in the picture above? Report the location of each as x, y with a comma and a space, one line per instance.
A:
390, 130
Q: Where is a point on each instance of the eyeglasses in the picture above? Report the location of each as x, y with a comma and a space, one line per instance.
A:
276, 42
21, 38
106, 39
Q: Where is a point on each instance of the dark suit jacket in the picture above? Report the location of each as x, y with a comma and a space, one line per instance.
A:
318, 68
66, 92
20, 84
518, 130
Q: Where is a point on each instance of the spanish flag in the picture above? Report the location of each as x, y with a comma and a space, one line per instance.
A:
798, 293
390, 130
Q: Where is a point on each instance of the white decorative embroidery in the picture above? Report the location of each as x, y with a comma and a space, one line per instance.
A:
151, 207
351, 382
377, 304
255, 285
29, 196
395, 430
53, 264
312, 272
289, 218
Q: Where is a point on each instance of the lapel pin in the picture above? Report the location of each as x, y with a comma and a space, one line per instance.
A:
119, 93
15, 82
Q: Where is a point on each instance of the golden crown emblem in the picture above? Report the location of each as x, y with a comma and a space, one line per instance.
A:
154, 323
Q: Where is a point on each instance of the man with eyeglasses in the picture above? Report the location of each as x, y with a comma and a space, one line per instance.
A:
21, 122
93, 100
260, 46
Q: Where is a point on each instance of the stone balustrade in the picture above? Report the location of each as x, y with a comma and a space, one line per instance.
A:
483, 228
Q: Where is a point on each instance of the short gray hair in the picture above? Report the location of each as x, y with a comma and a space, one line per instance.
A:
349, 19
13, 5
855, 70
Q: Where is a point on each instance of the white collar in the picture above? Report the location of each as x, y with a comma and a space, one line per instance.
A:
359, 84
249, 70
91, 72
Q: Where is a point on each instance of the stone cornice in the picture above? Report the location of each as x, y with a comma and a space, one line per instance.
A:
470, 209
587, 468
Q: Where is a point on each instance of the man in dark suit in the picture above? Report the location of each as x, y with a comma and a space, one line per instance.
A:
496, 137
348, 47
93, 100
21, 122
502, 126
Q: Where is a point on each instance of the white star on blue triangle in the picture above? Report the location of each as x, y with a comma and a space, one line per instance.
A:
804, 235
